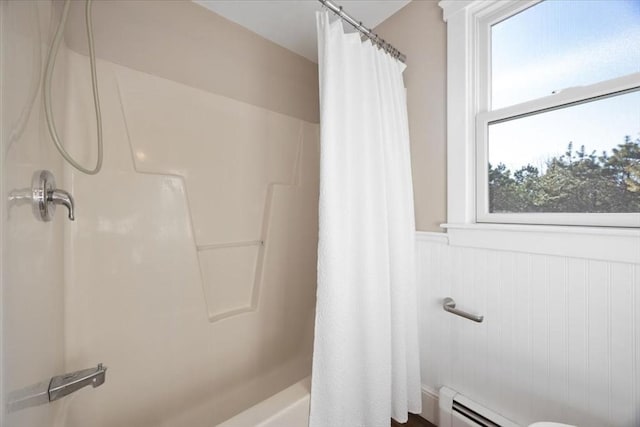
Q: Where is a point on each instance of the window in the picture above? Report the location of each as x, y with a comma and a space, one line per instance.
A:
524, 79
532, 167
557, 135
532, 170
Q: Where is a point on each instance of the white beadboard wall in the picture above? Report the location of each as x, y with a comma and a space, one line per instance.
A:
560, 340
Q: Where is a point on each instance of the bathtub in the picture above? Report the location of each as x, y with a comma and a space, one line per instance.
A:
289, 408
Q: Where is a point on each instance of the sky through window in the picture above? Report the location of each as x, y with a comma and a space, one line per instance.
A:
558, 44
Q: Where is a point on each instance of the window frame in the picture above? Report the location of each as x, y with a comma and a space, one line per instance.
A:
466, 68
468, 90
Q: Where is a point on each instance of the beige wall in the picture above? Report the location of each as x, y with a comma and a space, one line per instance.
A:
181, 41
191, 265
420, 33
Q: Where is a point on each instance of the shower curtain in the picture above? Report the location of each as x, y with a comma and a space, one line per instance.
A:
365, 361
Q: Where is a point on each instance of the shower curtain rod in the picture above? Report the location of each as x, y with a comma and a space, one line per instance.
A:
380, 42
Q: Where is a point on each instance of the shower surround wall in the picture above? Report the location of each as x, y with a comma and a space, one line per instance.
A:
32, 259
190, 269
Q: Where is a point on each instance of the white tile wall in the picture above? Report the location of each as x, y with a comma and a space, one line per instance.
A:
560, 340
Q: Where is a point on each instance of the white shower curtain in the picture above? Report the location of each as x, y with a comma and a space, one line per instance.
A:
365, 361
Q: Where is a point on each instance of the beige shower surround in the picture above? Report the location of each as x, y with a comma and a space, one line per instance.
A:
230, 155
191, 270
159, 250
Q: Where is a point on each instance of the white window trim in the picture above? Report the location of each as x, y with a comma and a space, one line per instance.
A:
465, 68
566, 96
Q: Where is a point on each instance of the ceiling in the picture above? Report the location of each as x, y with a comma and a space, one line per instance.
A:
291, 23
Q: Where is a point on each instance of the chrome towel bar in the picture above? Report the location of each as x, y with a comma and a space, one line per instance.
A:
450, 305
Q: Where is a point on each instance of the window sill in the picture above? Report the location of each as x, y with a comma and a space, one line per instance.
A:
599, 243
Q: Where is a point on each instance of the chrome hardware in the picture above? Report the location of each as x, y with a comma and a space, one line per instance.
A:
55, 388
44, 196
63, 385
450, 305
61, 197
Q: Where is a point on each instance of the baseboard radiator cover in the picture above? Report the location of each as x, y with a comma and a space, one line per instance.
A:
456, 410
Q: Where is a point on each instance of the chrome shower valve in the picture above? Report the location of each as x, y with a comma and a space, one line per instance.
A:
44, 196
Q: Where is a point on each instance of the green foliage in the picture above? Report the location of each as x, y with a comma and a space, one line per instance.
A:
577, 181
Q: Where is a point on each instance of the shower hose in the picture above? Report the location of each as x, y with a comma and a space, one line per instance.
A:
51, 61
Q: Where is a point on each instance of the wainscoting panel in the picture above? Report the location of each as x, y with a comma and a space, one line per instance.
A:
560, 340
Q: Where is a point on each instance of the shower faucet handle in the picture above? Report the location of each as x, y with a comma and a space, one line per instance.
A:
44, 196
61, 197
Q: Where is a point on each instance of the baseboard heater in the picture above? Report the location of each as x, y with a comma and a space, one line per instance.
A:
456, 410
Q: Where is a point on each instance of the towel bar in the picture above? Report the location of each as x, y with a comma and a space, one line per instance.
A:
450, 305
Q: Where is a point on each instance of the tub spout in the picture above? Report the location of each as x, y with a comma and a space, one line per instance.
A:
63, 385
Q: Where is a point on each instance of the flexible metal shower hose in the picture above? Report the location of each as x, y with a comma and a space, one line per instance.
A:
51, 60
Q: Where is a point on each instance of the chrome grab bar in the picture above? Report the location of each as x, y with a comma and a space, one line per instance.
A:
450, 305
